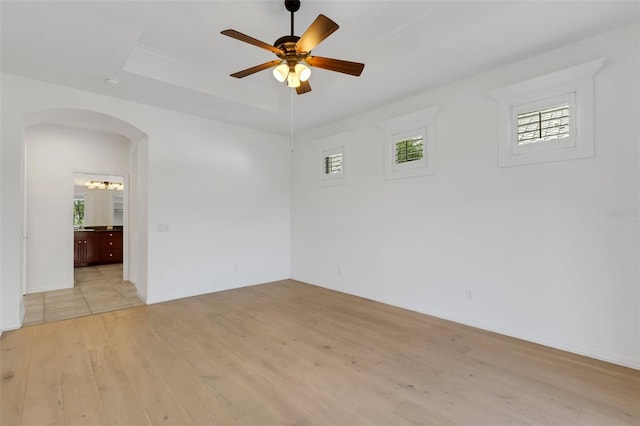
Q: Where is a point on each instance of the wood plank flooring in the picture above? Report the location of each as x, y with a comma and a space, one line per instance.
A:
292, 353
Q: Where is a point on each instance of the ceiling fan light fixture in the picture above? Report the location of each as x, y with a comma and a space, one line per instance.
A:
281, 72
303, 71
294, 64
293, 79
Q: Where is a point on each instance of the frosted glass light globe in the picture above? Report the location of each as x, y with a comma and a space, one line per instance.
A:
281, 71
303, 71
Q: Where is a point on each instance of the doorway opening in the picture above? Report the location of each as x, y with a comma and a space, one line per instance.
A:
83, 177
99, 203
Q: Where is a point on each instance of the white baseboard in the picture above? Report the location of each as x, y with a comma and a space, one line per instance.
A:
9, 327
613, 358
142, 298
52, 288
619, 359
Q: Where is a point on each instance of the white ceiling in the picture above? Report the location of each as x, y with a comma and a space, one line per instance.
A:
171, 54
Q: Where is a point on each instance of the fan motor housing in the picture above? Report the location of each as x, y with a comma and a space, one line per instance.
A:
286, 42
292, 5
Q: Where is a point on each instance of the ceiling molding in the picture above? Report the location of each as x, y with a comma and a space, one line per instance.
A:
151, 63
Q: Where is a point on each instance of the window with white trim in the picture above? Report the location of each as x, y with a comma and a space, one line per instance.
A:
410, 144
332, 158
333, 166
333, 163
547, 124
547, 118
409, 151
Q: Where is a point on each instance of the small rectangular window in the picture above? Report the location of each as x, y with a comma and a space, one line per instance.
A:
333, 164
410, 149
78, 211
409, 144
333, 160
543, 125
547, 118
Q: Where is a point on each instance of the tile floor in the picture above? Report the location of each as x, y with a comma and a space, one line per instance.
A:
97, 289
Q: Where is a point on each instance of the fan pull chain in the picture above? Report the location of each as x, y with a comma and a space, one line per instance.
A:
291, 120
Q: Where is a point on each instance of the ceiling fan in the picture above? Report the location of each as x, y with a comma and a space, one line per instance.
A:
295, 53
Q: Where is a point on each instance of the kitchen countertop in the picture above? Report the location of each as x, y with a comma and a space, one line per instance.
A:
98, 229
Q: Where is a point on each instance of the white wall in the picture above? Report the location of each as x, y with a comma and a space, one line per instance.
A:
138, 219
2, 314
11, 215
223, 191
53, 154
533, 244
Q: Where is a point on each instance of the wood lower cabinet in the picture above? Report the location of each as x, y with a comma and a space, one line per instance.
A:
86, 248
111, 246
96, 247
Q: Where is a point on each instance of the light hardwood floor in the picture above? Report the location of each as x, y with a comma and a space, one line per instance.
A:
292, 353
97, 289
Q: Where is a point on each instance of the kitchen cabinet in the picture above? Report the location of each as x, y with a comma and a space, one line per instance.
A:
86, 248
111, 246
97, 247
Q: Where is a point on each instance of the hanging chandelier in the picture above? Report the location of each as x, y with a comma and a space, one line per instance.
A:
98, 184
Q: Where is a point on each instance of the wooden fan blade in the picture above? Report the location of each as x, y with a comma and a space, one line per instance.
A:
303, 88
319, 29
338, 65
255, 69
247, 39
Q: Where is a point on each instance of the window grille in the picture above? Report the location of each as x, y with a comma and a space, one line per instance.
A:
410, 149
333, 164
543, 125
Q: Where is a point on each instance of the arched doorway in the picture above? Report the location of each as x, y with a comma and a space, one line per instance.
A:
55, 235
